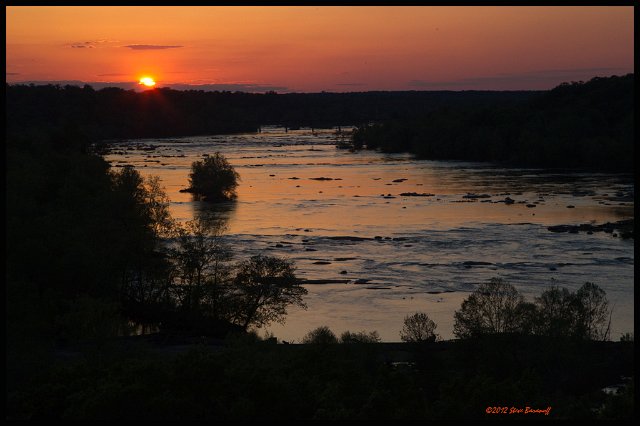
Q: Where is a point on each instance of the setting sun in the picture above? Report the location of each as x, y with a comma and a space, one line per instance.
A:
147, 81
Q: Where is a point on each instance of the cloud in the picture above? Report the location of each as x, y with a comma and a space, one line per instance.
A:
86, 44
351, 84
115, 74
54, 82
12, 73
150, 47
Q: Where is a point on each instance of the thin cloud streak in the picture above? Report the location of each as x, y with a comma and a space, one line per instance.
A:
87, 44
151, 47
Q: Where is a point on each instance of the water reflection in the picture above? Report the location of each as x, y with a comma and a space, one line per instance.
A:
219, 214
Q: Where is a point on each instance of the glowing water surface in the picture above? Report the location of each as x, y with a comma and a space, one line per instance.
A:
407, 253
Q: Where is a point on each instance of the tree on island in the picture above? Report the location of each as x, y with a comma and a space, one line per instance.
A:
213, 179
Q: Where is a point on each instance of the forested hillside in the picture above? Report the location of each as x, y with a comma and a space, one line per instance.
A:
576, 125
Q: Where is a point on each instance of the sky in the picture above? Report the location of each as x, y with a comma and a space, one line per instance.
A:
317, 48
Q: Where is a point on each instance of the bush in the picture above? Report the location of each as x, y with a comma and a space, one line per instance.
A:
360, 337
320, 336
419, 328
214, 179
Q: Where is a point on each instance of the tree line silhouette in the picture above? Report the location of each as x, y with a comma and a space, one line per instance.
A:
576, 125
113, 113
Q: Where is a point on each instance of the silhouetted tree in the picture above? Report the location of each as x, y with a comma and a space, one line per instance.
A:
491, 308
203, 274
556, 312
360, 337
320, 336
594, 313
214, 178
419, 328
584, 314
263, 288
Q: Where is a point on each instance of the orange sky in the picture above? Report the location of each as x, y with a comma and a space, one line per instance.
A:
311, 49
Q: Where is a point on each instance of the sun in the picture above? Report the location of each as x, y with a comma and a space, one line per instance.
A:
147, 81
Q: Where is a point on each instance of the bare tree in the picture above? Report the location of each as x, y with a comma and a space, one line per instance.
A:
585, 314
202, 267
492, 308
263, 288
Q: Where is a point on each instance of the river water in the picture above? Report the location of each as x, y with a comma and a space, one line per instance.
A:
340, 216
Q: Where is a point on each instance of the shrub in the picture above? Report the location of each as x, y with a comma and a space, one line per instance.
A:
320, 336
360, 337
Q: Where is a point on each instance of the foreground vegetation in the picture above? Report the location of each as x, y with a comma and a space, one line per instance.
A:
259, 380
93, 254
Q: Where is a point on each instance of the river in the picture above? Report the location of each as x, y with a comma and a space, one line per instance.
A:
342, 216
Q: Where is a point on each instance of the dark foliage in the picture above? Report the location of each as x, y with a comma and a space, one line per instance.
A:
213, 178
577, 125
74, 228
496, 307
114, 113
248, 379
320, 336
419, 328
84, 257
491, 308
263, 288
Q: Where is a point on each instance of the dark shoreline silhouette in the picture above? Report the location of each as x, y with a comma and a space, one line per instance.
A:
80, 235
114, 113
584, 125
